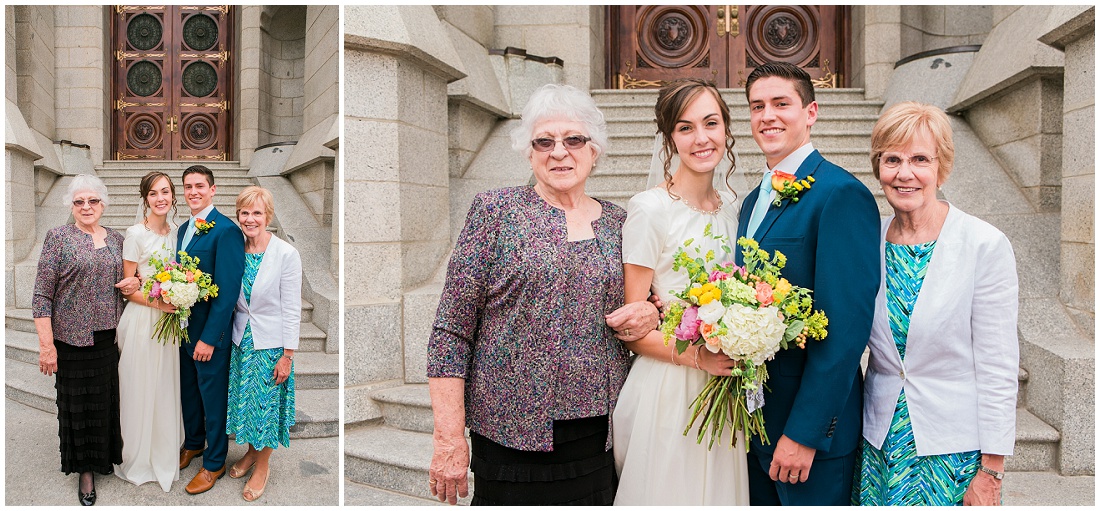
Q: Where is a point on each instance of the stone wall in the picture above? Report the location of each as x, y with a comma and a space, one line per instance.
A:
322, 65
543, 30
395, 187
932, 27
34, 45
83, 78
1023, 128
246, 97
282, 89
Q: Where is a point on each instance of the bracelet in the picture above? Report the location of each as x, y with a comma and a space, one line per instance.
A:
697, 348
672, 355
996, 475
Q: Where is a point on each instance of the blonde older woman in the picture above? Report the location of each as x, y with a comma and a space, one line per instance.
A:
520, 351
265, 334
939, 410
76, 308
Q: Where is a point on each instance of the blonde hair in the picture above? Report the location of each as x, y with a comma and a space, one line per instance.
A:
901, 123
250, 195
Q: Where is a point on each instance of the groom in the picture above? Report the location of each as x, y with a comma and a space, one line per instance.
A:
204, 362
812, 408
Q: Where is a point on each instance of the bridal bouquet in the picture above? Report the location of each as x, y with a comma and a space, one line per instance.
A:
748, 313
181, 284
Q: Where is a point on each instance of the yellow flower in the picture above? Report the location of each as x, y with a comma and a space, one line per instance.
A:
781, 289
164, 276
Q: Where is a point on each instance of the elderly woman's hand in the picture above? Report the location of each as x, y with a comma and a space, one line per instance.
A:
447, 472
282, 370
47, 360
985, 490
129, 285
633, 320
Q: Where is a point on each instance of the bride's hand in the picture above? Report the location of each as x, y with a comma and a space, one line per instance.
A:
159, 304
717, 364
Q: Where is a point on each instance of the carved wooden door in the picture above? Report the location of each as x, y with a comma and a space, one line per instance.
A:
171, 82
652, 44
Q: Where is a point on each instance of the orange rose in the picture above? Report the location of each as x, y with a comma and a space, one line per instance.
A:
781, 179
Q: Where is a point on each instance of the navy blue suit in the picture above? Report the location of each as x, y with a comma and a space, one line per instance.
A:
204, 386
814, 396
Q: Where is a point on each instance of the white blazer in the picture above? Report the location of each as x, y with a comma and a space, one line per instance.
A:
962, 354
276, 308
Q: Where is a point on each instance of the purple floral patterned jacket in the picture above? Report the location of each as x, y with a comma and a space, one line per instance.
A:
501, 306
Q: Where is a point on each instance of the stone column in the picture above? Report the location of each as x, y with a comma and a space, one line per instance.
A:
876, 47
84, 69
397, 64
247, 113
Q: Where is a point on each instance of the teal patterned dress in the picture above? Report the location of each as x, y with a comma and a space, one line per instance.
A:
896, 475
260, 412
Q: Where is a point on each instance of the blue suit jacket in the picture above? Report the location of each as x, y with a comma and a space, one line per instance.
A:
831, 240
221, 254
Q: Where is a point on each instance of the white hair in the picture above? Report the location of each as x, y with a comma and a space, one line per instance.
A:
553, 101
86, 183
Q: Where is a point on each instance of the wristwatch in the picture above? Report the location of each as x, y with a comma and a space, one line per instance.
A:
996, 475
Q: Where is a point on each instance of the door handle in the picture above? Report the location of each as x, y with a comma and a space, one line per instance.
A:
727, 21
732, 23
721, 21
171, 124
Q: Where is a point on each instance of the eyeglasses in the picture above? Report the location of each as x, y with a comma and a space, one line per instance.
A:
91, 202
545, 145
919, 161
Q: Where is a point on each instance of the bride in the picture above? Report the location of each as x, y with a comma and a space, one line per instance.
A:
657, 464
148, 371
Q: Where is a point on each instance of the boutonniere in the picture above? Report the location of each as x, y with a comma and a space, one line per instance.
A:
202, 226
786, 187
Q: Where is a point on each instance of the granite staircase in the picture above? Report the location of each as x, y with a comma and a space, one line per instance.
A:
386, 459
317, 366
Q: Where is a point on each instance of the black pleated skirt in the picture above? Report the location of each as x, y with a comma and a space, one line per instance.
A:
87, 405
579, 471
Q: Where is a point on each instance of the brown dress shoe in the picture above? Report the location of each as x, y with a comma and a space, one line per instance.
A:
186, 455
204, 480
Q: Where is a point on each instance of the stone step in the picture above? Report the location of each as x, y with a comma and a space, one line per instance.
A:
1036, 444
733, 96
316, 370
391, 459
642, 120
359, 494
407, 407
623, 140
316, 410
170, 167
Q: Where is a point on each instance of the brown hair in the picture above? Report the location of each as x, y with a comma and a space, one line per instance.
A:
146, 186
787, 71
252, 194
901, 123
672, 100
200, 169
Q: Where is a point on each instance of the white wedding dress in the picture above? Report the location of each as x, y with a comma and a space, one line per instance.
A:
656, 463
148, 377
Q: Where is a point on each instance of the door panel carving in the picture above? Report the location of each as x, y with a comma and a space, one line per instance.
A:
653, 44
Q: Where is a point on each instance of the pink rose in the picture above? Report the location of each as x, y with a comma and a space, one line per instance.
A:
764, 293
689, 325
717, 275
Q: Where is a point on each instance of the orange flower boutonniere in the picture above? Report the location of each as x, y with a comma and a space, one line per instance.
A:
786, 187
202, 226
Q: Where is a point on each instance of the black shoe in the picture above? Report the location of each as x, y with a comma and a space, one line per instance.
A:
86, 499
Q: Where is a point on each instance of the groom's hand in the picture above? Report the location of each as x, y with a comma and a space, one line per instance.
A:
203, 352
791, 461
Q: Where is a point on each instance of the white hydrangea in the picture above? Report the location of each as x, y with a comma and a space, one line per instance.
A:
752, 334
184, 295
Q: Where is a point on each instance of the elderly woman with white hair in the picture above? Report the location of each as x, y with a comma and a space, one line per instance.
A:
76, 309
521, 350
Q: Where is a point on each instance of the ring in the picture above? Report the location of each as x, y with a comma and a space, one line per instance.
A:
627, 332
432, 481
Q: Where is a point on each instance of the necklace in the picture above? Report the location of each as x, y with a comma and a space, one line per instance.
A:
703, 211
